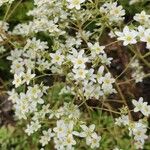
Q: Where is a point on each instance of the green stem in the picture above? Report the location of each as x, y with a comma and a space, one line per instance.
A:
139, 56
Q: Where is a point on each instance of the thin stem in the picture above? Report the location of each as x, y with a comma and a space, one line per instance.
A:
140, 57
126, 67
107, 110
8, 8
13, 10
121, 94
146, 55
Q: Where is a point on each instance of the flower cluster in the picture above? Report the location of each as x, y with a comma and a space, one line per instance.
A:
64, 133
91, 82
137, 71
51, 15
137, 129
140, 33
27, 103
92, 139
113, 12
63, 43
23, 61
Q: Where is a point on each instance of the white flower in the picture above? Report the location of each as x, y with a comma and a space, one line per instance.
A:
41, 114
111, 34
138, 130
60, 129
57, 58
139, 135
113, 12
141, 106
141, 31
59, 143
90, 75
87, 132
138, 76
75, 3
15, 54
17, 67
71, 41
29, 130
34, 92
35, 45
139, 145
28, 76
97, 92
107, 82
146, 110
95, 140
142, 18
146, 38
69, 141
80, 73
56, 69
79, 61
105, 60
71, 111
64, 134
127, 36
47, 135
123, 120
17, 80
13, 96
92, 138
64, 90
96, 49
56, 113
137, 72
88, 90
99, 76
116, 12
33, 127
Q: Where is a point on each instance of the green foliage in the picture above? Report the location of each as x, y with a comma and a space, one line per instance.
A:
13, 138
136, 8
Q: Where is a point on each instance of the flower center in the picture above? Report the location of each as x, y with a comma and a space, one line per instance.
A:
76, 2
